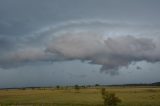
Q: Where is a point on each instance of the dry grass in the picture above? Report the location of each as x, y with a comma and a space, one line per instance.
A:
85, 97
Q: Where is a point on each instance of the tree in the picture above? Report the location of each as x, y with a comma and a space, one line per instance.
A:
57, 86
76, 87
110, 99
96, 85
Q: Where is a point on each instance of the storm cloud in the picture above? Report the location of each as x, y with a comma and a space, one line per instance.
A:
42, 41
110, 52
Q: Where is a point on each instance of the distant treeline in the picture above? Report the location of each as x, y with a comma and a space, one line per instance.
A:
140, 84
89, 86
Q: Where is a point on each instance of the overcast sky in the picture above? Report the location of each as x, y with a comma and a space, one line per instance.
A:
68, 42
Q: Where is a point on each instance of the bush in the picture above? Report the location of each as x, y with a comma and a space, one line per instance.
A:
103, 91
109, 98
77, 88
57, 86
96, 85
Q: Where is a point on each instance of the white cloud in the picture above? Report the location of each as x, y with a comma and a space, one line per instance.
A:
112, 52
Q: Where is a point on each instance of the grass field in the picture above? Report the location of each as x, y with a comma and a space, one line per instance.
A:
130, 96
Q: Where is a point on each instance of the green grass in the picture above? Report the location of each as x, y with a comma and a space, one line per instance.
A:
85, 97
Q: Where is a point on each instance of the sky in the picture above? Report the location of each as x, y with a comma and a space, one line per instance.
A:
85, 42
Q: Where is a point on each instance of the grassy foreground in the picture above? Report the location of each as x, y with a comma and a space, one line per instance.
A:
84, 97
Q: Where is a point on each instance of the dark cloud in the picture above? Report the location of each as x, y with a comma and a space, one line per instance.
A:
110, 34
78, 40
21, 17
5, 43
81, 76
138, 68
112, 53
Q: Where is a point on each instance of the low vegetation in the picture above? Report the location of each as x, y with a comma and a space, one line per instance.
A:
110, 99
130, 96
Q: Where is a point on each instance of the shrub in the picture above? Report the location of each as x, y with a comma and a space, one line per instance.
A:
103, 91
109, 98
57, 86
76, 87
96, 85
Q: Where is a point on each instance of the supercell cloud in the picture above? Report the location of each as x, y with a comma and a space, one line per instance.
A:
86, 40
111, 53
54, 42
